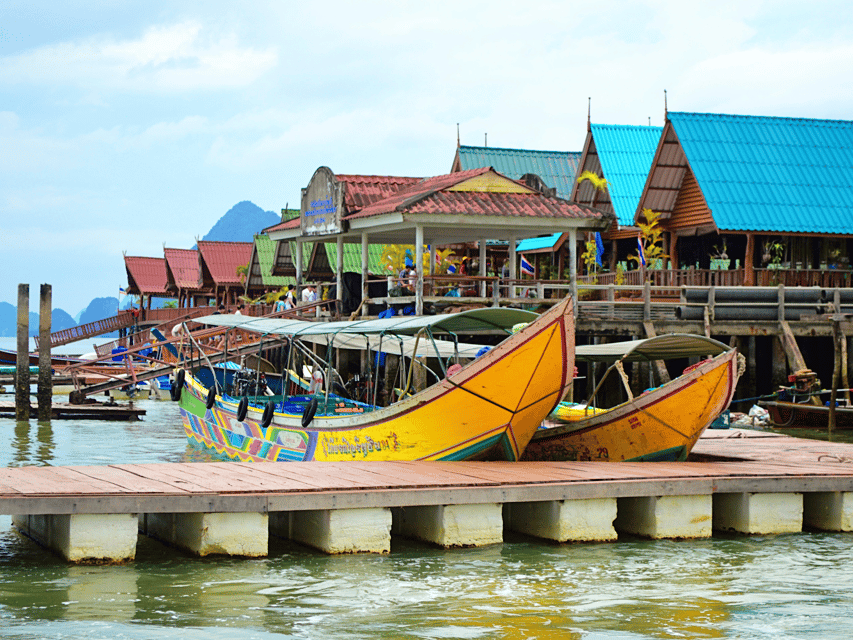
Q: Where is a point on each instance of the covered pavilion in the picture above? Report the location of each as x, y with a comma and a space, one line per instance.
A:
466, 206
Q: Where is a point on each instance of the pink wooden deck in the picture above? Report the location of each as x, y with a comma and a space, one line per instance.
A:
766, 463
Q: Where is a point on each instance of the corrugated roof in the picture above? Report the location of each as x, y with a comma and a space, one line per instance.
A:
761, 173
146, 275
540, 243
557, 169
223, 258
352, 257
184, 266
265, 253
625, 153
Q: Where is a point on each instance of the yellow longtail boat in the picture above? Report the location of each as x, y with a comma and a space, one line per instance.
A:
488, 409
661, 424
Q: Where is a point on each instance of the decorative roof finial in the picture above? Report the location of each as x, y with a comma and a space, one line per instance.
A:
486, 142
665, 108
457, 136
589, 114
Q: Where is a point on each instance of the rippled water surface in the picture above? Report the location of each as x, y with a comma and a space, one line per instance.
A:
791, 586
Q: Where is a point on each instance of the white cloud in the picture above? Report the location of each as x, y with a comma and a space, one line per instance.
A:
176, 58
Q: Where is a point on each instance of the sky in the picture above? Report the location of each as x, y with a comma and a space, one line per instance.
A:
126, 126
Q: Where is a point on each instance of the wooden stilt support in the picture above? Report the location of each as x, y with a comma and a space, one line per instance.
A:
660, 366
45, 385
22, 371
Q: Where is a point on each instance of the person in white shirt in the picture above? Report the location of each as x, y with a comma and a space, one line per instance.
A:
306, 294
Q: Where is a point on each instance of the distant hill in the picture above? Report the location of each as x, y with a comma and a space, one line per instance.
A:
241, 223
59, 319
98, 309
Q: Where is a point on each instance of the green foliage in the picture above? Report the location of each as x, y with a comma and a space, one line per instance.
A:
598, 183
589, 257
170, 304
394, 258
242, 271
651, 234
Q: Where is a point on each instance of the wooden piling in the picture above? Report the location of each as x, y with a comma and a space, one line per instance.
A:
22, 372
45, 381
837, 338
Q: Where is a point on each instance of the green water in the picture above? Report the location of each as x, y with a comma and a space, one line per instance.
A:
791, 586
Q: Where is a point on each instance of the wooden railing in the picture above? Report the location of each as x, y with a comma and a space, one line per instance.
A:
89, 330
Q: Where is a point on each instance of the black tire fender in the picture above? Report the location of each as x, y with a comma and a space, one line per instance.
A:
242, 408
269, 410
310, 410
211, 397
178, 385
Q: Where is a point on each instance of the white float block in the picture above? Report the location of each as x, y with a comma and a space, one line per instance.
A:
666, 516
337, 530
456, 525
204, 534
564, 520
828, 510
84, 538
758, 512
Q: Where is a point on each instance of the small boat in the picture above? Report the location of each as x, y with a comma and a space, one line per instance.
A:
661, 424
796, 415
486, 410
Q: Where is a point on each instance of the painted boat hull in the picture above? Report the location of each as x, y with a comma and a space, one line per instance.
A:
661, 425
488, 410
791, 415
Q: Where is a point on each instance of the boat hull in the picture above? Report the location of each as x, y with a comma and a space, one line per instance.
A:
660, 425
488, 410
791, 415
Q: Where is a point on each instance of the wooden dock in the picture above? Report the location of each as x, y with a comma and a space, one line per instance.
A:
766, 484
91, 411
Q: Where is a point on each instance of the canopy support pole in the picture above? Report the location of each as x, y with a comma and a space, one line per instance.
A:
419, 268
364, 254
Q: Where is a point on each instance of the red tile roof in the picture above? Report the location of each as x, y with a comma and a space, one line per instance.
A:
359, 192
474, 203
184, 266
289, 224
223, 258
429, 196
145, 275
362, 191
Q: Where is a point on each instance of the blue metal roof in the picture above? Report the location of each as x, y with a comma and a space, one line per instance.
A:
556, 168
625, 153
760, 173
544, 242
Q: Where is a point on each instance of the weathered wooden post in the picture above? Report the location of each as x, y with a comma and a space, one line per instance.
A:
22, 371
837, 338
45, 386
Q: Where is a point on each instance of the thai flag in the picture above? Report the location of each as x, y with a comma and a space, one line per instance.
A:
122, 290
640, 250
451, 268
526, 267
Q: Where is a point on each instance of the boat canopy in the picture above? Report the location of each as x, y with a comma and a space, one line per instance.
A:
407, 346
665, 347
472, 321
